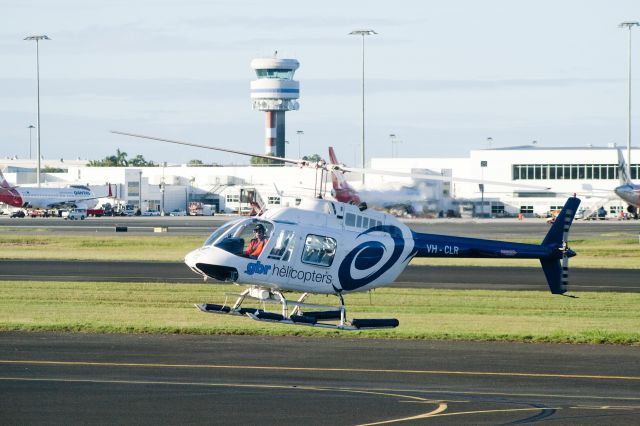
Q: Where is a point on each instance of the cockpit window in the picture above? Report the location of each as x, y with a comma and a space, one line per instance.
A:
246, 237
220, 231
319, 250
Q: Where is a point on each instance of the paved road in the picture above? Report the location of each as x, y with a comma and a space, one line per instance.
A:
194, 225
201, 225
145, 379
497, 278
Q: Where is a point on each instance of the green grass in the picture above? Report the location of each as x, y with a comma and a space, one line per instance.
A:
527, 316
593, 253
98, 247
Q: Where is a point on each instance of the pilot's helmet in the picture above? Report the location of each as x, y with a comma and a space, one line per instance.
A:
259, 228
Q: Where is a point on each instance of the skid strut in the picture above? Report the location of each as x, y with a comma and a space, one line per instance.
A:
293, 312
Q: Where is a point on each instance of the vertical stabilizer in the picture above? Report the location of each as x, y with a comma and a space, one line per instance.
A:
557, 270
623, 170
3, 182
342, 191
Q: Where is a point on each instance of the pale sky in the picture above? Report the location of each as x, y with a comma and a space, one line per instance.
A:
441, 75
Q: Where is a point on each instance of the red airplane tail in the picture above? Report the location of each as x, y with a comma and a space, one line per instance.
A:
342, 191
3, 182
8, 193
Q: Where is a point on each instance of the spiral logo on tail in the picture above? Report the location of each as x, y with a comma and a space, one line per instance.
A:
368, 254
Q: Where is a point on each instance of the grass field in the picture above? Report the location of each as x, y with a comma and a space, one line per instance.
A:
597, 253
612, 318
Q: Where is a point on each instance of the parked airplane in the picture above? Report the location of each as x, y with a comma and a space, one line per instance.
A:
329, 247
78, 196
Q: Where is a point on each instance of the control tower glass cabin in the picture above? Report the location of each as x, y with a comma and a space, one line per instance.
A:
275, 92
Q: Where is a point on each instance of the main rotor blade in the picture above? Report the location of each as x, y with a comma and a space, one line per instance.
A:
439, 178
233, 151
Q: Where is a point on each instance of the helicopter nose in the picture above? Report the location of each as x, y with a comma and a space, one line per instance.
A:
203, 262
191, 258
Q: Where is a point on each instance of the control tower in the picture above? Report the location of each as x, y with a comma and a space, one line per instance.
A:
275, 92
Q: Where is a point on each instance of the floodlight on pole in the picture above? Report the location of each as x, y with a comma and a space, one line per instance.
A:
392, 137
394, 144
37, 39
489, 142
363, 33
299, 133
629, 25
30, 127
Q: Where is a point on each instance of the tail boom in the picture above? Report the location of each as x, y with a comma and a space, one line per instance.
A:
553, 253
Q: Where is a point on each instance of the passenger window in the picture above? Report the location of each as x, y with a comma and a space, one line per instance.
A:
319, 250
359, 221
283, 246
365, 222
350, 219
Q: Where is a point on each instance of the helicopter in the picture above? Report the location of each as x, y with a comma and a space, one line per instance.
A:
325, 246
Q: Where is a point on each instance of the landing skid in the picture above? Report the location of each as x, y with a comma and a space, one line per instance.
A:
300, 313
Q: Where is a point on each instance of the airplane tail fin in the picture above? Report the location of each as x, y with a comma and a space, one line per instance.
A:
622, 169
342, 191
3, 182
110, 194
557, 270
335, 178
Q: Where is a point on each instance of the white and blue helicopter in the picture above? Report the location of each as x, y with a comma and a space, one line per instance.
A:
328, 247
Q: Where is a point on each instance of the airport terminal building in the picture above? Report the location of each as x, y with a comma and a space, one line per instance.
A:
547, 175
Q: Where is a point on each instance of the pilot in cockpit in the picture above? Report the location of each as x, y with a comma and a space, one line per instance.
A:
258, 242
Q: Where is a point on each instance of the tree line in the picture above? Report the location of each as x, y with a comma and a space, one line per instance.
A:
120, 160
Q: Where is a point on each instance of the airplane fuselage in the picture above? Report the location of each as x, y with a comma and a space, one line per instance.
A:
630, 193
44, 198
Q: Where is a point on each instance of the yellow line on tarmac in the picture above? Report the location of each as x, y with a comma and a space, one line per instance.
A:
321, 369
506, 410
441, 405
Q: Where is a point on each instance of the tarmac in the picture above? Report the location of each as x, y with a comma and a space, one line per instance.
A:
78, 379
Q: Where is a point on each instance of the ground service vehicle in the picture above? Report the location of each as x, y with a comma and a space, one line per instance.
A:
75, 214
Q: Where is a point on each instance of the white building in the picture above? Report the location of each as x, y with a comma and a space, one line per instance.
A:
591, 173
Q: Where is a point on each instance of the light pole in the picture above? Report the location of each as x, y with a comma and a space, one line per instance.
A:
489, 142
483, 164
140, 191
162, 188
299, 133
30, 127
37, 39
392, 137
394, 144
629, 25
363, 33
